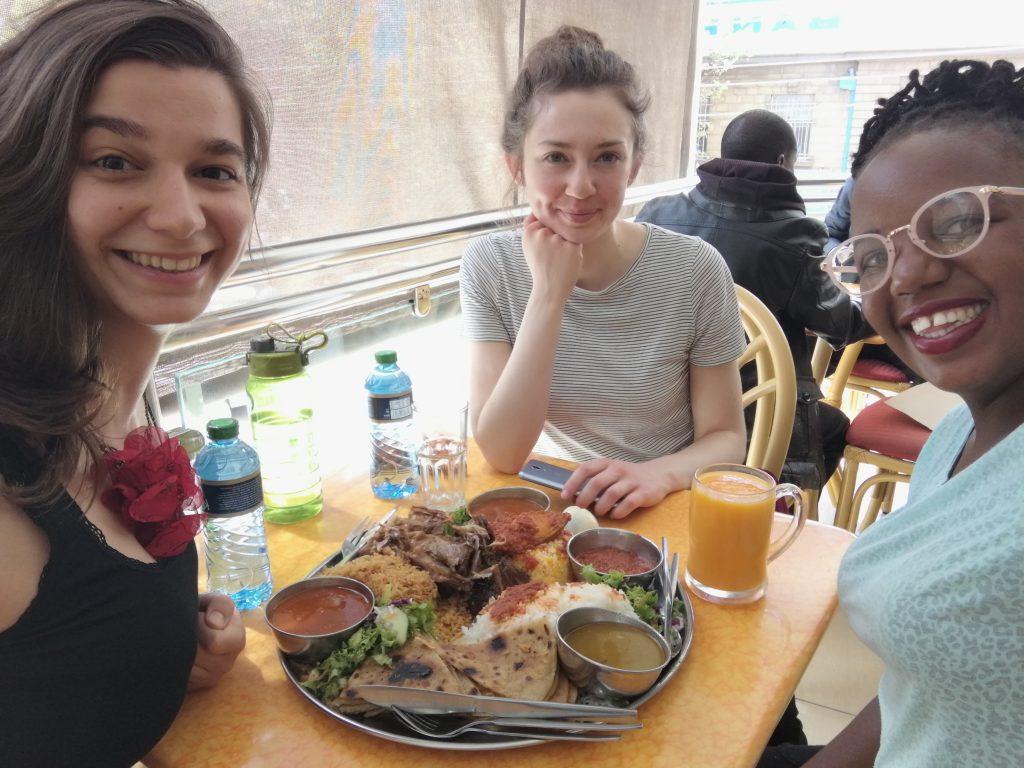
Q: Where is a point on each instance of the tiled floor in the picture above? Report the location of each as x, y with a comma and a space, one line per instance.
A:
840, 680
843, 675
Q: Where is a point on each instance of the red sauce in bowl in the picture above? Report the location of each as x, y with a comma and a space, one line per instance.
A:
498, 507
320, 611
608, 559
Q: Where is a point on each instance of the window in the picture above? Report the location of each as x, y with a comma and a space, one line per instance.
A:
703, 127
385, 161
797, 109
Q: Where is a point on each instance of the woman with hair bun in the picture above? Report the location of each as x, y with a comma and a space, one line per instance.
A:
132, 148
613, 342
935, 588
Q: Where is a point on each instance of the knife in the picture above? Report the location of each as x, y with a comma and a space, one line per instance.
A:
424, 701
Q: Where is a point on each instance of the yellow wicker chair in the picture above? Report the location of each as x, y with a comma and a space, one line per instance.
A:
875, 430
849, 374
862, 380
775, 391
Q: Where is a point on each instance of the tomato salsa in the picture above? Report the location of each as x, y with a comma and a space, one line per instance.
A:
608, 559
320, 611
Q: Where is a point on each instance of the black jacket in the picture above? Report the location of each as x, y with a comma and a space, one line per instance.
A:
752, 213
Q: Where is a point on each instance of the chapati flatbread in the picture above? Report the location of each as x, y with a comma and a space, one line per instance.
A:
564, 691
519, 663
418, 664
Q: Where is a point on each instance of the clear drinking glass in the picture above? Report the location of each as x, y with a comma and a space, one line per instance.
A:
441, 454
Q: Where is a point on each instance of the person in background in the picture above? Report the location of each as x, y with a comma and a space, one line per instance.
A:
935, 588
837, 220
748, 207
618, 341
132, 147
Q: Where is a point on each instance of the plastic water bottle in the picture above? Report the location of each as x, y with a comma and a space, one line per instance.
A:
281, 397
393, 471
236, 542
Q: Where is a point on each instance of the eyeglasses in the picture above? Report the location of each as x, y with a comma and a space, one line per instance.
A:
948, 225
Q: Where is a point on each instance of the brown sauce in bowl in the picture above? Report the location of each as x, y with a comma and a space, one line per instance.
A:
616, 645
320, 611
608, 559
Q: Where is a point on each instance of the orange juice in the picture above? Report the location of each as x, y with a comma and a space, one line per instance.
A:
730, 530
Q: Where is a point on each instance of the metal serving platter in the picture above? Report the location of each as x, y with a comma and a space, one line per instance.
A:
385, 726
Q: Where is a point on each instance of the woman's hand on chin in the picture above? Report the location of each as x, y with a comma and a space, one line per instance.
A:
615, 488
554, 262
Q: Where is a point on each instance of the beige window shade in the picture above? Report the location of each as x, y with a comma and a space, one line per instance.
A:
386, 156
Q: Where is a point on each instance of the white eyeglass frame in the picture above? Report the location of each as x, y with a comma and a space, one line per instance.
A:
835, 271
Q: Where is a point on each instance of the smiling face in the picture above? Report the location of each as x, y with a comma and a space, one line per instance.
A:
577, 161
958, 321
159, 210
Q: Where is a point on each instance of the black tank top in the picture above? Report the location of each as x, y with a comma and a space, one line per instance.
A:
94, 672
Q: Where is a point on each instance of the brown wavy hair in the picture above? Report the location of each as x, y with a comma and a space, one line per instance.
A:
52, 382
572, 59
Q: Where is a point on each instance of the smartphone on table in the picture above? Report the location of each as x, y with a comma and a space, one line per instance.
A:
542, 473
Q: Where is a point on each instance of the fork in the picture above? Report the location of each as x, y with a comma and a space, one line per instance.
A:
363, 530
536, 729
349, 545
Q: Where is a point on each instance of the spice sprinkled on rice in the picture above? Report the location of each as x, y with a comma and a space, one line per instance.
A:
526, 602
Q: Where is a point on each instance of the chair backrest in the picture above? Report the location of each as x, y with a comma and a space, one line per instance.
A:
775, 391
840, 377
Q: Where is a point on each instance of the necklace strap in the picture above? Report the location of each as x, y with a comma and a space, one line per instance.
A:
150, 417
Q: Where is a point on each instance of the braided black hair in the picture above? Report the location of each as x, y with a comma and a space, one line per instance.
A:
955, 92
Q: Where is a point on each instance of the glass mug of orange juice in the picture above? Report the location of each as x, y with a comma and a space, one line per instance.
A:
731, 513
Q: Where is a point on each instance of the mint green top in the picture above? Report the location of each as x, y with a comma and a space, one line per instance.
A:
936, 589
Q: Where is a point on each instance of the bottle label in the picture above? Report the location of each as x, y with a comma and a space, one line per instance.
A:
233, 497
391, 407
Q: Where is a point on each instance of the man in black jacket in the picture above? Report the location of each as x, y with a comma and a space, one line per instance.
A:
748, 207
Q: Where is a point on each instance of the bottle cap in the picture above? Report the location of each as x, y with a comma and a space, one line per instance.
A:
191, 440
261, 344
222, 429
386, 357
273, 365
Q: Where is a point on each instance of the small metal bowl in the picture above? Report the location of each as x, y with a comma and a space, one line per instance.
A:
303, 647
620, 539
511, 492
602, 679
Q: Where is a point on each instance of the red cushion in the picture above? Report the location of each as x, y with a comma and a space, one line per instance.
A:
876, 369
883, 429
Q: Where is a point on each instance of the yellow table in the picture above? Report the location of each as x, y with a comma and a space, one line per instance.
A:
719, 709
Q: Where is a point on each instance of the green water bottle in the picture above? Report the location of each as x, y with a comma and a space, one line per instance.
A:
281, 409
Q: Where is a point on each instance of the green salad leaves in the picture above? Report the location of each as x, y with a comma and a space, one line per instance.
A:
458, 517
644, 601
387, 632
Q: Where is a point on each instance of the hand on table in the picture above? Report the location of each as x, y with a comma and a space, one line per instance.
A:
554, 262
620, 484
221, 639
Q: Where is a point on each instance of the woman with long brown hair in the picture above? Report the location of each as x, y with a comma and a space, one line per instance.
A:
132, 148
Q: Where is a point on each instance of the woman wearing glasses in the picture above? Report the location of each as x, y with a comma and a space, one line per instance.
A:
937, 588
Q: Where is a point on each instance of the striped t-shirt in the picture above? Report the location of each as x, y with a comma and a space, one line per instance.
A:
620, 387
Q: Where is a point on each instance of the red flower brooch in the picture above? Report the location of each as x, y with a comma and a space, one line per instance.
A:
153, 488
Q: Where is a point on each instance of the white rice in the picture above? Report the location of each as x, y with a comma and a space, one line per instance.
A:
551, 603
